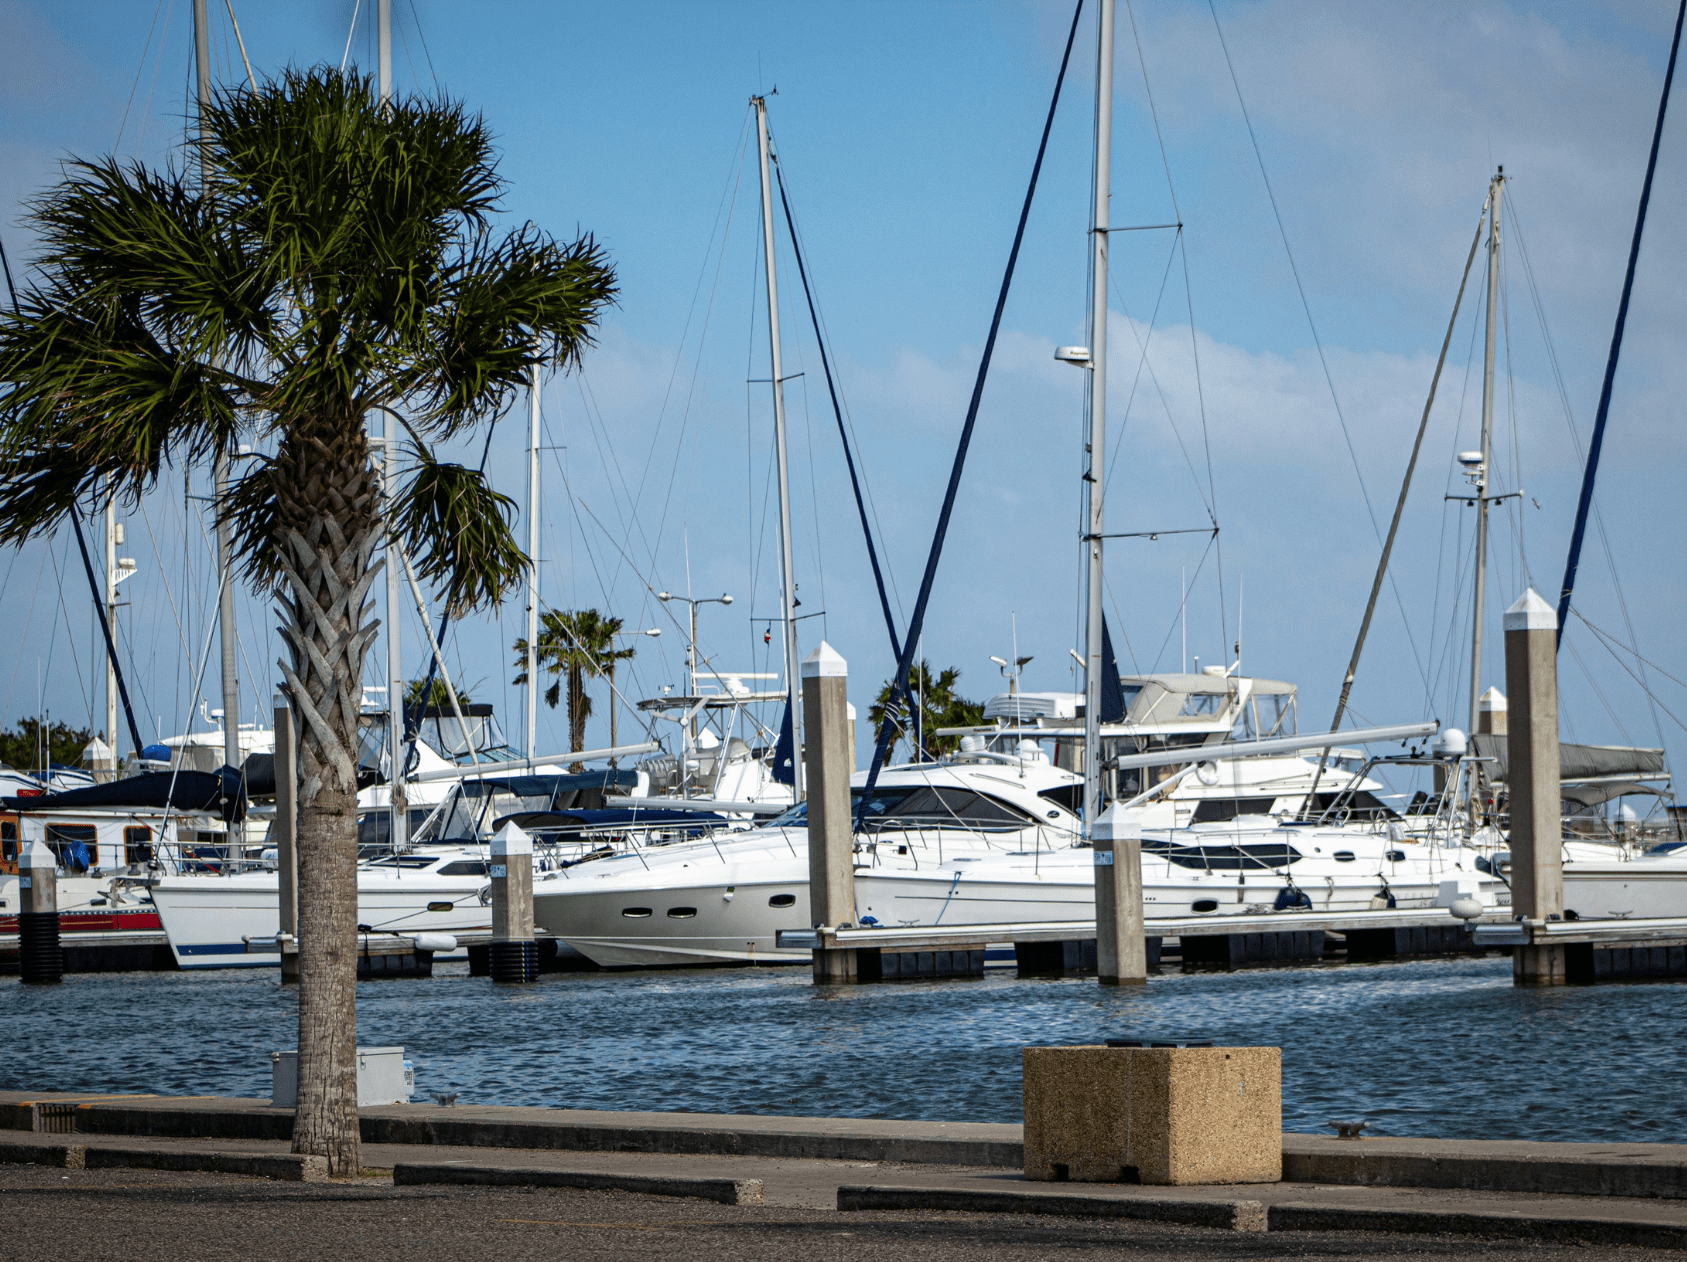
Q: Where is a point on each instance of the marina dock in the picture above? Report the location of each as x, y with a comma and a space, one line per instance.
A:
1631, 1194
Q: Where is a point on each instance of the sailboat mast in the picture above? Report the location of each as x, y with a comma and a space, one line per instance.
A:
787, 581
1096, 464
225, 604
533, 562
1484, 480
111, 621
398, 831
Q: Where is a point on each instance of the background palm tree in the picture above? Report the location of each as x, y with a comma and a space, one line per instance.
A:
331, 257
574, 644
939, 705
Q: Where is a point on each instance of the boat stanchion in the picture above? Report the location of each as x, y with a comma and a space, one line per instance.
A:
831, 831
40, 961
1537, 865
513, 954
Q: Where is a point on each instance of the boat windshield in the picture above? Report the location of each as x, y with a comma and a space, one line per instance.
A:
922, 806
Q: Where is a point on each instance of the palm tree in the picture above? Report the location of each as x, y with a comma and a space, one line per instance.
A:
331, 257
574, 643
939, 706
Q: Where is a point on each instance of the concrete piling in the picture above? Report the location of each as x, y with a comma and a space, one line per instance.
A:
40, 961
513, 956
1120, 951
285, 830
831, 831
1537, 869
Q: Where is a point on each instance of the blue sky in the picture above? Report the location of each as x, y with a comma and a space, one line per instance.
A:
907, 133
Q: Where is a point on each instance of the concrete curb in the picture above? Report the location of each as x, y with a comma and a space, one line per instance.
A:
284, 1167
59, 1156
725, 1191
1373, 1163
1225, 1215
1510, 1226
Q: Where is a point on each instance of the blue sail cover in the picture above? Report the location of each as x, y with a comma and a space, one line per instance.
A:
219, 792
784, 753
1112, 690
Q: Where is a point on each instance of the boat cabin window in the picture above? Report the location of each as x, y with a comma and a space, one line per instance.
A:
137, 845
1217, 810
1233, 858
407, 862
463, 867
1071, 796
923, 806
75, 846
9, 843
1204, 704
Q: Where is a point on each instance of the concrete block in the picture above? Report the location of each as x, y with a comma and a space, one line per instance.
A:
1162, 1115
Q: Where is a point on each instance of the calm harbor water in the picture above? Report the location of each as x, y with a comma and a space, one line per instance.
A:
1446, 1048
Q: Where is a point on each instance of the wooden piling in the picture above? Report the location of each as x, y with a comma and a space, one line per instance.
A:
831, 831
1120, 955
1537, 869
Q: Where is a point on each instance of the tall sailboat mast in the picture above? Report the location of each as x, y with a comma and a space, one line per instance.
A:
111, 581
1095, 472
1484, 477
225, 604
787, 582
533, 562
398, 828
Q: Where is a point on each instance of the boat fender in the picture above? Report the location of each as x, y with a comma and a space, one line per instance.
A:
1289, 898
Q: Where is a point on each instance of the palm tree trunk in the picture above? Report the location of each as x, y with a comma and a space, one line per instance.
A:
576, 712
328, 527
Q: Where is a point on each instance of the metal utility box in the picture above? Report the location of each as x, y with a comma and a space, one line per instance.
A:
383, 1077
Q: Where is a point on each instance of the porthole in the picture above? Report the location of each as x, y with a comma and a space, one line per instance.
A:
1343, 856
636, 913
681, 913
439, 906
1204, 904
1395, 856
782, 900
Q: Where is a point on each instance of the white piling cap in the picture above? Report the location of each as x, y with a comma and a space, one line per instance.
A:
1117, 823
511, 839
1494, 702
1531, 613
825, 663
38, 854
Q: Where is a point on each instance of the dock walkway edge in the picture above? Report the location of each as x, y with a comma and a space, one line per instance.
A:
1612, 1169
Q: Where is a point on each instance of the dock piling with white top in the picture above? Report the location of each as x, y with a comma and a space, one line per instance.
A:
831, 831
1537, 868
513, 955
40, 961
1121, 957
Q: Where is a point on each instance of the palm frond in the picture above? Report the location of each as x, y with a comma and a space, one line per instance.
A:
459, 529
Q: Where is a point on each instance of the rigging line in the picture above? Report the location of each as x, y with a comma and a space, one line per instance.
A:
1293, 268
1200, 565
1119, 617
70, 634
1591, 469
1599, 693
1606, 635
730, 205
916, 623
1597, 514
422, 35
152, 539
1406, 486
1143, 362
244, 60
350, 34
140, 68
110, 644
157, 69
837, 410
